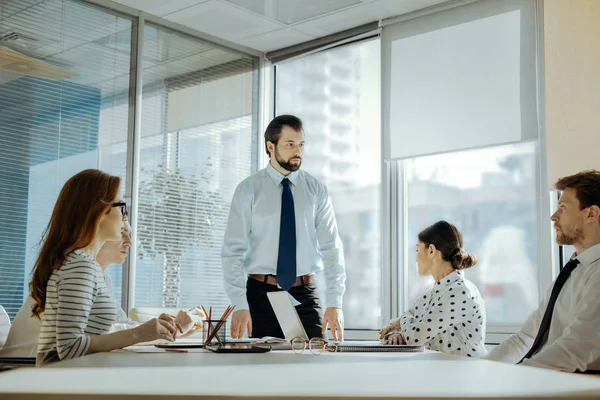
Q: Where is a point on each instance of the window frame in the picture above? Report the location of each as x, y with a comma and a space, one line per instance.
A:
131, 195
386, 272
547, 250
392, 194
394, 208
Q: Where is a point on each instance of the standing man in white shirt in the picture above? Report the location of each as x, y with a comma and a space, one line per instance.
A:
564, 332
281, 230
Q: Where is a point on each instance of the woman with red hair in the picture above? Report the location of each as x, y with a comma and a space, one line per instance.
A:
68, 286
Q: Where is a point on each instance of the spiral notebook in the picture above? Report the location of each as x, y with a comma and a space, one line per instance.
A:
373, 347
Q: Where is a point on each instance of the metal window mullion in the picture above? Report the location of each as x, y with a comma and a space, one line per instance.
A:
388, 272
546, 249
133, 155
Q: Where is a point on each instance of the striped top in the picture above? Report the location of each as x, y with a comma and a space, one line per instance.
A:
78, 305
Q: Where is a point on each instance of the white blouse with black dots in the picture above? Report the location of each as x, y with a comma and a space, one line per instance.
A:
449, 318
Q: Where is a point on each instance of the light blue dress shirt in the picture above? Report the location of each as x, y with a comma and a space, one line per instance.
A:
251, 240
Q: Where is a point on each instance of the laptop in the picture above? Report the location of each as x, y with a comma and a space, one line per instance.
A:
287, 316
292, 327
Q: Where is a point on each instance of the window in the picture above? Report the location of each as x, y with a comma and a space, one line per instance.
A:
198, 142
336, 94
490, 195
460, 130
64, 72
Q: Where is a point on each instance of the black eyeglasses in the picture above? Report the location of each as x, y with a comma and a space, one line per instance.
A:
123, 206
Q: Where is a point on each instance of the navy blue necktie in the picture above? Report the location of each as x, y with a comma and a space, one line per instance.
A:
286, 258
542, 335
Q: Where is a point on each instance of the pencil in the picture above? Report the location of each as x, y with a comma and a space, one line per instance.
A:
224, 317
176, 350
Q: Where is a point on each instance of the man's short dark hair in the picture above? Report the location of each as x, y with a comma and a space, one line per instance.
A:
273, 131
586, 185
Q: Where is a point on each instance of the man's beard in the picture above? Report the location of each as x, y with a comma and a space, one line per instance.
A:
287, 165
568, 238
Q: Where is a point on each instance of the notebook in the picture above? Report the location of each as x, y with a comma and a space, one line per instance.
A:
372, 347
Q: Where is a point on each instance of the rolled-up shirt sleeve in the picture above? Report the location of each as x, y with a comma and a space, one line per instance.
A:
235, 245
332, 252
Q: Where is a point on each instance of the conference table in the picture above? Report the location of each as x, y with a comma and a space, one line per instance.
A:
199, 374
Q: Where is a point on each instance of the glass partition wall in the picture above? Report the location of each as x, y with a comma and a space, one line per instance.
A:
68, 70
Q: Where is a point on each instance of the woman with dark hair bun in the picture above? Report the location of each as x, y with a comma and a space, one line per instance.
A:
451, 316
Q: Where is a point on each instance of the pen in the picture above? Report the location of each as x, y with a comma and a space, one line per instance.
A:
176, 350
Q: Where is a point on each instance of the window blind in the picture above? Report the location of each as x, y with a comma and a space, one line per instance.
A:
64, 79
198, 142
459, 79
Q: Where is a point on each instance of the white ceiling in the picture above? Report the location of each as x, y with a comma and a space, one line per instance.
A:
267, 25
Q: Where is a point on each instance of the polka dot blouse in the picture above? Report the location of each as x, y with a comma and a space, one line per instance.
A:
450, 318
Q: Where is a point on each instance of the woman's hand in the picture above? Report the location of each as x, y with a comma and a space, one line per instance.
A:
394, 326
395, 338
155, 329
189, 321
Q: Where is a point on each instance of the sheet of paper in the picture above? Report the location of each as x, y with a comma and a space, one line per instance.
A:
293, 300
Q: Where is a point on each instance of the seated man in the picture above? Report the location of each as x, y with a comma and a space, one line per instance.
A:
22, 340
564, 332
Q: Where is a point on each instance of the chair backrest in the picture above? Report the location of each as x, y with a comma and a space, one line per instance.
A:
4, 326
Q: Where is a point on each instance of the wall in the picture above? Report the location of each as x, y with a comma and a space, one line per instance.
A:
572, 85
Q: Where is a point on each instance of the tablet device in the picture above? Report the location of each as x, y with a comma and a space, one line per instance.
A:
180, 345
238, 348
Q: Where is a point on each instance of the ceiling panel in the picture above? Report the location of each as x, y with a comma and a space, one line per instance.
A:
276, 39
338, 21
291, 11
390, 8
267, 25
224, 20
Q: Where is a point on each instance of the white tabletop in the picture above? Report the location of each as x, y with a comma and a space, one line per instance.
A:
281, 374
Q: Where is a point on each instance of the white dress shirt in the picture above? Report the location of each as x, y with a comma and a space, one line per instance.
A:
23, 337
123, 321
251, 239
574, 338
449, 318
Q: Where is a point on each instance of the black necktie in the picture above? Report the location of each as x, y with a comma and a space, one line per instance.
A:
286, 258
542, 334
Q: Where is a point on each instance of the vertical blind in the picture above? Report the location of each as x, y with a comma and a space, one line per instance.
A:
198, 138
64, 84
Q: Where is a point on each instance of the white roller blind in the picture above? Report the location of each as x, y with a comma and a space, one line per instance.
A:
461, 78
198, 142
64, 81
